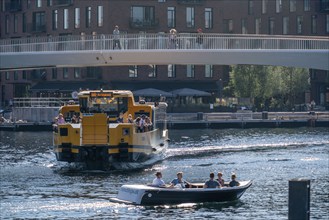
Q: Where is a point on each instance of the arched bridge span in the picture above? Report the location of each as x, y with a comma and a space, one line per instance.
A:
141, 49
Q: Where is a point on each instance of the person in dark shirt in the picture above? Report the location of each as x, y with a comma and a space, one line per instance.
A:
211, 183
233, 181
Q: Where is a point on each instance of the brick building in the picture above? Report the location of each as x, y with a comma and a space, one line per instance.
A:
31, 18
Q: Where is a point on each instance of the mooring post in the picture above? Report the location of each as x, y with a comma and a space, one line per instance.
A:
299, 199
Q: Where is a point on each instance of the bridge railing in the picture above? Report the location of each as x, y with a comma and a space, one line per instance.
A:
159, 41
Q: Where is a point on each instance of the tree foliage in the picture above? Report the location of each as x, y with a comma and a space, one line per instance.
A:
269, 87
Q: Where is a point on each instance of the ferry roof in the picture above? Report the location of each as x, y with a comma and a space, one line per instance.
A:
115, 92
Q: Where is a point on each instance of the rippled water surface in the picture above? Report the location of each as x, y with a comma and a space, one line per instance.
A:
34, 185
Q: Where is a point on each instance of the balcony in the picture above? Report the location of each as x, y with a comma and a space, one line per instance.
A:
147, 24
63, 2
190, 2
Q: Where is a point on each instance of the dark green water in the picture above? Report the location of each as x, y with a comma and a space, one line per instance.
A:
34, 185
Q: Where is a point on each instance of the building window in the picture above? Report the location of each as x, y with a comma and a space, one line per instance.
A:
244, 29
88, 17
15, 75
54, 73
24, 76
190, 17
66, 19
28, 3
23, 22
228, 26
142, 16
258, 22
208, 70
285, 25
264, 6
271, 22
152, 71
65, 73
38, 3
77, 18
7, 25
278, 6
190, 71
171, 71
55, 19
77, 73
171, 17
49, 2
292, 5
314, 21
15, 23
94, 72
250, 7
3, 5
39, 22
100, 16
307, 5
327, 23
299, 24
324, 5
133, 71
7, 76
208, 18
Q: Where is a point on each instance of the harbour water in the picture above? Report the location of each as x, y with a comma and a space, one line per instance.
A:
34, 185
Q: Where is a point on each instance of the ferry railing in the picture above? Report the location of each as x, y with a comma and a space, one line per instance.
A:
160, 41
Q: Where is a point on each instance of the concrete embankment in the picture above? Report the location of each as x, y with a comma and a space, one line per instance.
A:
241, 119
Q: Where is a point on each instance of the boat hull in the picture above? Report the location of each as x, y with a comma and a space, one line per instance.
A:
146, 195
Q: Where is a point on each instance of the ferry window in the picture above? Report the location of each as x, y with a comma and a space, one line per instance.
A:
83, 104
123, 105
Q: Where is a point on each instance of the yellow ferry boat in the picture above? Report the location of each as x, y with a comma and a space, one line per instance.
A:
98, 133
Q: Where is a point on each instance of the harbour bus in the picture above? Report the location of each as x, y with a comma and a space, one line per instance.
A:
99, 141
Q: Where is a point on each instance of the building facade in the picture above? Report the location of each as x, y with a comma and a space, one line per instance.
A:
47, 18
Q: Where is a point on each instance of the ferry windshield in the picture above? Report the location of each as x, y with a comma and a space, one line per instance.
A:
105, 102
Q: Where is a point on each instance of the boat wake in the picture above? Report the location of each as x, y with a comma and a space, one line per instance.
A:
188, 151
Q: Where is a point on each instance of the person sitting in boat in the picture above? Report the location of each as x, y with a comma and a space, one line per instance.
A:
233, 181
179, 181
158, 182
211, 183
120, 118
220, 179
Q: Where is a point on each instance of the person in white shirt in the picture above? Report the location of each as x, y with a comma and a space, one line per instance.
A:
158, 180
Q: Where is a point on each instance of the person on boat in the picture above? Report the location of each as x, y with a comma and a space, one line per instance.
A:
179, 181
158, 182
141, 124
60, 119
220, 179
130, 119
120, 118
211, 183
147, 124
233, 181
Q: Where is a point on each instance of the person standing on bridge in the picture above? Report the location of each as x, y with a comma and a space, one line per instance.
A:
172, 41
116, 38
199, 39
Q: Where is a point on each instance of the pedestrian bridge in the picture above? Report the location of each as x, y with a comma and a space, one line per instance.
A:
141, 49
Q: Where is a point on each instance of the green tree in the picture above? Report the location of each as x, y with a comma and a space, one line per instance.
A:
269, 86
